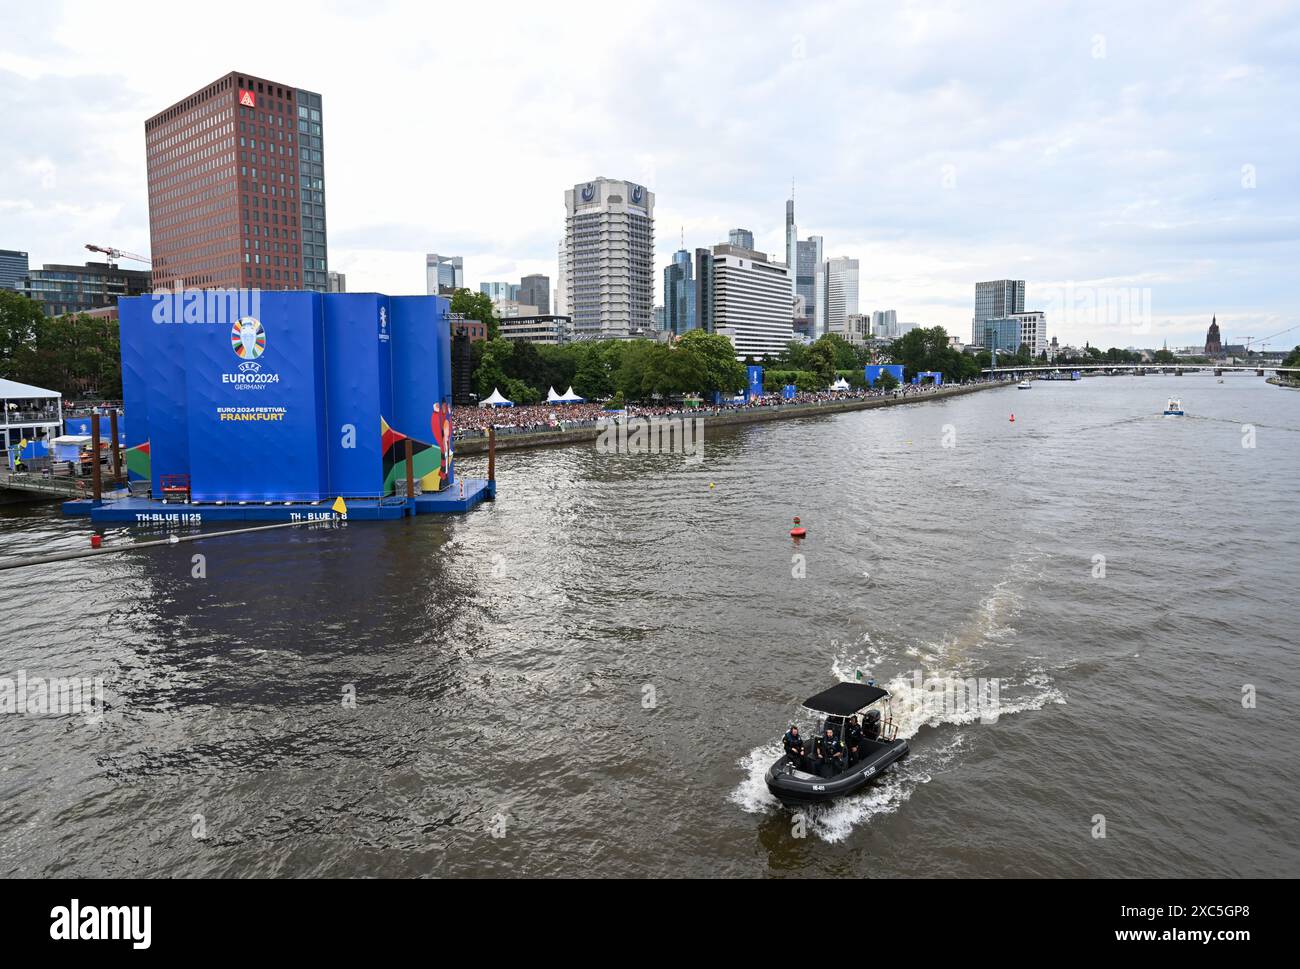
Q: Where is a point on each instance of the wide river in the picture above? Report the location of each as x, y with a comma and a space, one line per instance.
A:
590, 675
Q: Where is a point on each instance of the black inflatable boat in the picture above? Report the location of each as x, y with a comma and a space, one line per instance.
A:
820, 774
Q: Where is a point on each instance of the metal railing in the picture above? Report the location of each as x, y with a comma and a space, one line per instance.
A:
30, 417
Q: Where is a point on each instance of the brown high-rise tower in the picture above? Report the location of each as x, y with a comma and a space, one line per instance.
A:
237, 188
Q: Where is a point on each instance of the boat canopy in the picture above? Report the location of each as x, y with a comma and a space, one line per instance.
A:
844, 699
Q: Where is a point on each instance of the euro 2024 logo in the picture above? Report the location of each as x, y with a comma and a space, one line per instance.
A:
248, 339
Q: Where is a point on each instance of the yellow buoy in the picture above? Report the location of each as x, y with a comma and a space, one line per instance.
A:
340, 506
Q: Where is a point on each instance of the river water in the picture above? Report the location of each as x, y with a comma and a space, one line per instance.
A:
590, 675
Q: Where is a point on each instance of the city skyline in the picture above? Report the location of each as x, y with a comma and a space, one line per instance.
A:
1091, 159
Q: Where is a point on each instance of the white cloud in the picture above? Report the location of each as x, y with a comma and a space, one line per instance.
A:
940, 143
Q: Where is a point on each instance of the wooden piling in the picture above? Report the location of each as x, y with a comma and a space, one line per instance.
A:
115, 450
98, 485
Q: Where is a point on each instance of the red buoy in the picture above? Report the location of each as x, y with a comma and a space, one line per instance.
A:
798, 532
1013, 418
96, 541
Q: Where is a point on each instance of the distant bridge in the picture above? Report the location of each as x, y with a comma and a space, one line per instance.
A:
1140, 369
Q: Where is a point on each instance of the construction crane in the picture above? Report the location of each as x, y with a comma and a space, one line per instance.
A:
1264, 341
115, 254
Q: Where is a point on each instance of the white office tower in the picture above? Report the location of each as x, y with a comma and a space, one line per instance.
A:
443, 275
560, 300
749, 296
609, 273
1033, 330
841, 292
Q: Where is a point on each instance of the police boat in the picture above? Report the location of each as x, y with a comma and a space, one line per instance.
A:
827, 768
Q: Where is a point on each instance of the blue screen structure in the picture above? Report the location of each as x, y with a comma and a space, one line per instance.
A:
298, 397
872, 373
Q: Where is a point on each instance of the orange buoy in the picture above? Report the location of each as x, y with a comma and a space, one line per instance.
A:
797, 532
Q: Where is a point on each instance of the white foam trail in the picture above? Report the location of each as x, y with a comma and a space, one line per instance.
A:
991, 625
835, 822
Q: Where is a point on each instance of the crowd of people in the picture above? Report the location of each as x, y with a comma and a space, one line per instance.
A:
474, 421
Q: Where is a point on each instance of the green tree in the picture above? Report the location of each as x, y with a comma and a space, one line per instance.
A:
491, 370
476, 306
841, 350
595, 371
20, 319
821, 360
78, 355
793, 357
715, 358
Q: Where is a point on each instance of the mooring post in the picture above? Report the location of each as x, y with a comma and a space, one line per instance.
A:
94, 456
410, 470
117, 454
492, 453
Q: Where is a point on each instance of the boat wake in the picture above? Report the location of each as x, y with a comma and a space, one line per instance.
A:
914, 706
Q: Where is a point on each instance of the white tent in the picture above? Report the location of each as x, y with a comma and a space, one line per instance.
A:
496, 400
570, 397
13, 390
68, 446
553, 398
841, 384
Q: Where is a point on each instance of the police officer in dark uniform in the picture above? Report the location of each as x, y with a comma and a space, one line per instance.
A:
794, 748
853, 740
831, 753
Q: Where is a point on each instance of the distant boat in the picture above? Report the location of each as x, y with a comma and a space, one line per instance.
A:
1024, 384
1174, 408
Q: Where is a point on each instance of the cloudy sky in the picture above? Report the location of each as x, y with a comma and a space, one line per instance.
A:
1142, 154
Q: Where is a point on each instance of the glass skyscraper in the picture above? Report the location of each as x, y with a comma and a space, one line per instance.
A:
810, 280
741, 237
679, 294
996, 300
13, 268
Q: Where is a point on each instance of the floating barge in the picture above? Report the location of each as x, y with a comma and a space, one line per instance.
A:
265, 407
146, 511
